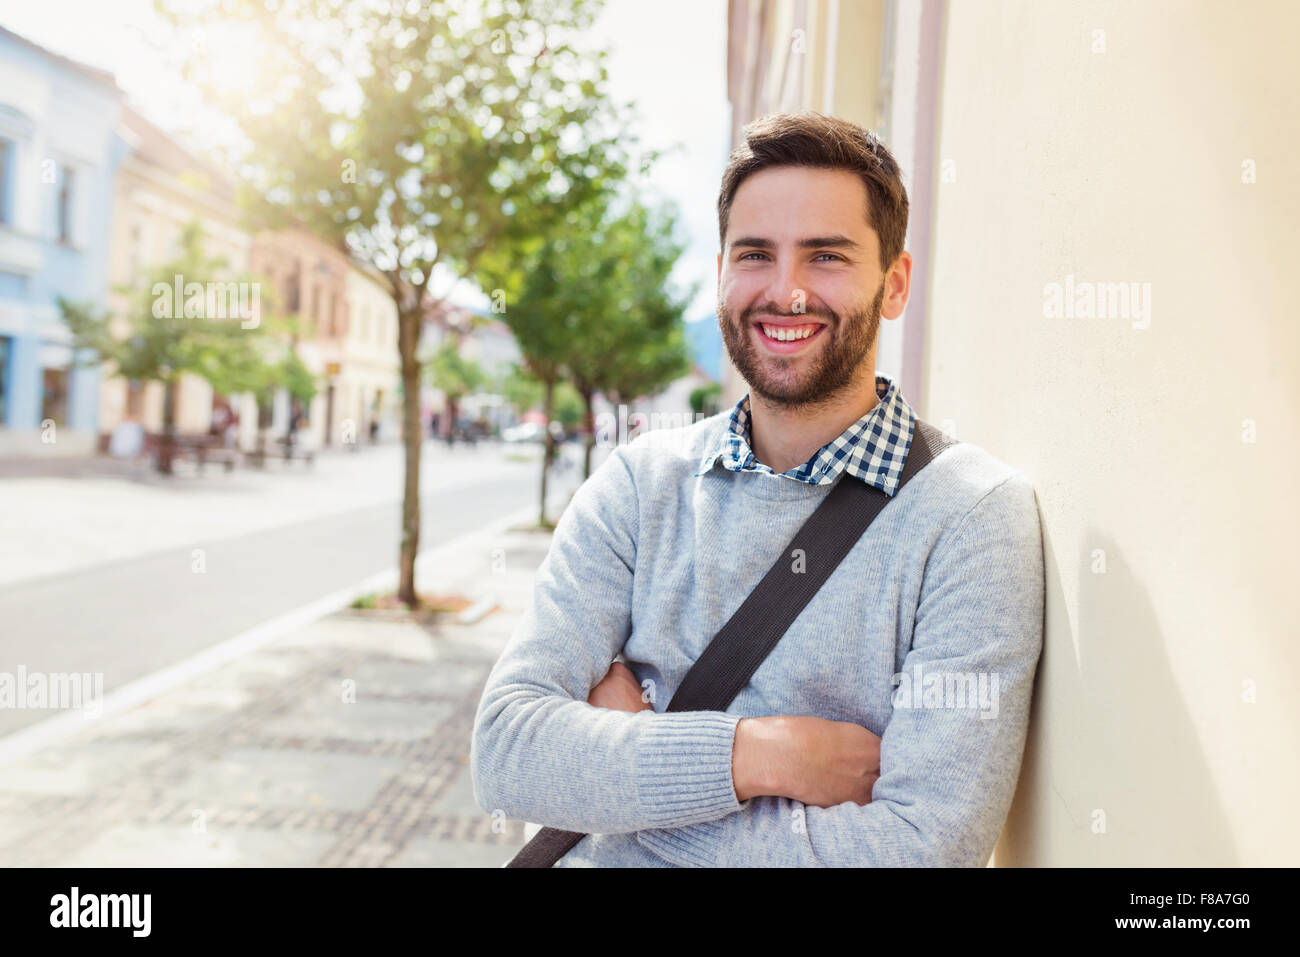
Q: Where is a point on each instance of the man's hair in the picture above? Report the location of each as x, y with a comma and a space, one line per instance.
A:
822, 142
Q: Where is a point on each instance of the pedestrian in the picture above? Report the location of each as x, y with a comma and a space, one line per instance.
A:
231, 433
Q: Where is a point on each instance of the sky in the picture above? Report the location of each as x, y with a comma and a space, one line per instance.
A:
668, 57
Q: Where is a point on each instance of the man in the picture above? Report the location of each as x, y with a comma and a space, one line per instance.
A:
888, 724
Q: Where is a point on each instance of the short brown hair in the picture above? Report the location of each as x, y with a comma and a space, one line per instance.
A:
823, 142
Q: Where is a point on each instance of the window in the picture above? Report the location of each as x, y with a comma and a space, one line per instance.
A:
8, 153
137, 248
12, 285
134, 398
292, 301
67, 197
313, 304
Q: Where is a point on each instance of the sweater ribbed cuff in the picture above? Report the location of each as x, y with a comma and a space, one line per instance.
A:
696, 845
683, 767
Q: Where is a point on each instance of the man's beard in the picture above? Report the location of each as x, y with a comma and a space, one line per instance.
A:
837, 364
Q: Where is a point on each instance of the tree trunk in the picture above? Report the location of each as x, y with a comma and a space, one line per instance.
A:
412, 432
167, 444
452, 411
588, 430
548, 404
289, 427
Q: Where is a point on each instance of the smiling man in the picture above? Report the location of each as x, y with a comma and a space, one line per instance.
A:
866, 737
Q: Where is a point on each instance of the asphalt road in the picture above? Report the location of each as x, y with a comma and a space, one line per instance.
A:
130, 618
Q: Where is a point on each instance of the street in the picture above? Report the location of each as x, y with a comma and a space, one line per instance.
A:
129, 615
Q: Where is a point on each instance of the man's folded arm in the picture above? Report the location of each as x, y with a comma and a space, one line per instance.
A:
947, 773
539, 752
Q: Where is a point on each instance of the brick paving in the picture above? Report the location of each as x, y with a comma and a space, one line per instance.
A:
344, 744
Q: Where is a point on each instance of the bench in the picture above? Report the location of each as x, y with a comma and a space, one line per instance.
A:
204, 449
288, 451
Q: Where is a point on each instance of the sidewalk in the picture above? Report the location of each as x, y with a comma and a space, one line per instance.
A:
99, 510
263, 763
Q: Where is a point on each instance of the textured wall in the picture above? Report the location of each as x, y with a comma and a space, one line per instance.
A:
1069, 156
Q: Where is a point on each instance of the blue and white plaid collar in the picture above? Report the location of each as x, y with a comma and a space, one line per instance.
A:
872, 449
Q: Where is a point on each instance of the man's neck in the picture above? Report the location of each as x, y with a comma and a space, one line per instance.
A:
783, 438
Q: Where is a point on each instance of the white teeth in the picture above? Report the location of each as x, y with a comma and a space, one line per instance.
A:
784, 334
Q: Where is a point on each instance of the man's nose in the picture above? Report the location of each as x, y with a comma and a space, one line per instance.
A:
785, 286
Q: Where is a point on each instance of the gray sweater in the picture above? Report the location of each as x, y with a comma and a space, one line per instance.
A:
928, 634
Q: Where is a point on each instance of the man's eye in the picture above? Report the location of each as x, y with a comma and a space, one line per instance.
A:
747, 255
832, 255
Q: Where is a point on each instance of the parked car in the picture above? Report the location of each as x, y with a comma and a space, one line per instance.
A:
524, 432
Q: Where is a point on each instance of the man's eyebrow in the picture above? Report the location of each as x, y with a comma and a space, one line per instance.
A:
837, 242
812, 242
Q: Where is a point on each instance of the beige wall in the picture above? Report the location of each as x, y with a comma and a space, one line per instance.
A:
371, 366
152, 206
1118, 166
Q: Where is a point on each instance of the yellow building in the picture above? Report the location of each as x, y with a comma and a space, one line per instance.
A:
309, 278
160, 188
370, 372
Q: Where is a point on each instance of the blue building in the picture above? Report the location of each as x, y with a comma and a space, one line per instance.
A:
59, 154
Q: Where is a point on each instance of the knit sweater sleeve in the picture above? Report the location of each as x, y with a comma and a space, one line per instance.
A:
948, 772
539, 752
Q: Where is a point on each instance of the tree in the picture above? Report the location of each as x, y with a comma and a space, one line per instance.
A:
417, 136
187, 318
520, 389
705, 398
455, 375
591, 310
633, 342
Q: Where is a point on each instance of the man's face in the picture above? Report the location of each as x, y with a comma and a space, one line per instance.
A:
801, 258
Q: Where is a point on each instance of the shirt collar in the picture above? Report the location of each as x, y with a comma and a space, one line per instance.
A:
872, 449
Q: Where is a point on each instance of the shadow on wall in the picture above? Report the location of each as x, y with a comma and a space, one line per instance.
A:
1114, 773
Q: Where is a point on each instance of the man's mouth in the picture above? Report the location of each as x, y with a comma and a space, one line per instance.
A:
787, 337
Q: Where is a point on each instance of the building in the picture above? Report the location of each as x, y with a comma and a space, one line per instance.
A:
309, 278
369, 375
59, 156
161, 187
347, 319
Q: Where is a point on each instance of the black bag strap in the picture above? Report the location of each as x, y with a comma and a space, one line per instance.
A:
736, 652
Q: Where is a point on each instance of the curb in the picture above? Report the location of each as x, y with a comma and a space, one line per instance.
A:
23, 742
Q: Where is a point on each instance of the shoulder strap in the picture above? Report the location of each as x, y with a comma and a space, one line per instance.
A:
736, 652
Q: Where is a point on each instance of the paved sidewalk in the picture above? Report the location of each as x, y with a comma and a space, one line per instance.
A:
97, 511
264, 763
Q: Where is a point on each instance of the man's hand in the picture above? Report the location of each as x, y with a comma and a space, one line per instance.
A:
619, 691
817, 762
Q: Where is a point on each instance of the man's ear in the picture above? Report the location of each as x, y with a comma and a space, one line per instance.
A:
898, 286
719, 271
